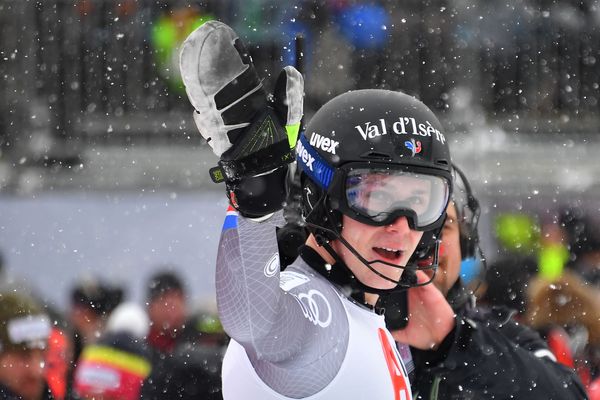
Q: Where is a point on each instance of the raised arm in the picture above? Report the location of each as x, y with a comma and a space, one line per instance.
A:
254, 137
254, 309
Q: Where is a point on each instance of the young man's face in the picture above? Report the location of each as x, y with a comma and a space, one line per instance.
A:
394, 243
22, 371
382, 193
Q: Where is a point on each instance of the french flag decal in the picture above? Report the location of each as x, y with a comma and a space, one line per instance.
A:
230, 219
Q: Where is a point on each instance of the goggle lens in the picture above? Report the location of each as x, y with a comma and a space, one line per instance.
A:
381, 194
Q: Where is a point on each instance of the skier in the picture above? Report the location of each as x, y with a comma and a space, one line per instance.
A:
376, 181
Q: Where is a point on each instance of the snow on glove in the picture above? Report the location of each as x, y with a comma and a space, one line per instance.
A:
253, 134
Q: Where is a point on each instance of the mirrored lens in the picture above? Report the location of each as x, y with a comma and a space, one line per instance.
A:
379, 194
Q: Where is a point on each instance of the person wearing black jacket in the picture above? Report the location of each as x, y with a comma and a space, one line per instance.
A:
186, 353
489, 355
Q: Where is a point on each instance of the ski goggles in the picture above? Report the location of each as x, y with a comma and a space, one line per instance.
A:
378, 196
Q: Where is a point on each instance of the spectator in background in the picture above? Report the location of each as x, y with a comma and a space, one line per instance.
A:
506, 279
167, 309
115, 367
60, 359
91, 304
192, 371
205, 329
58, 351
259, 23
129, 317
364, 26
24, 332
523, 366
169, 30
566, 310
188, 352
584, 244
553, 252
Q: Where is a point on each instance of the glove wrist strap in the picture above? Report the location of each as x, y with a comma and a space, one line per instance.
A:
256, 196
265, 147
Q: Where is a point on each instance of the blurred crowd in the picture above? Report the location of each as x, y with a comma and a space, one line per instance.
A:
106, 348
548, 272
509, 58
427, 49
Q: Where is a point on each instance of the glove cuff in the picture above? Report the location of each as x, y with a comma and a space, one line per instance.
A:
261, 195
264, 147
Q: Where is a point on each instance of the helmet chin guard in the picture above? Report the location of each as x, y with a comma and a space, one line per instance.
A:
427, 251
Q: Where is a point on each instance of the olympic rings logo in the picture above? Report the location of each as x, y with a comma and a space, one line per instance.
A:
311, 309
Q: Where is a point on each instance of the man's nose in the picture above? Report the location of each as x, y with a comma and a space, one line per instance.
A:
399, 225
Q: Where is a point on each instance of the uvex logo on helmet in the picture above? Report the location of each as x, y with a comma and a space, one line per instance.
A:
323, 143
304, 155
403, 126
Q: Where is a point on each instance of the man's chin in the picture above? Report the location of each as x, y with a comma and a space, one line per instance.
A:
384, 284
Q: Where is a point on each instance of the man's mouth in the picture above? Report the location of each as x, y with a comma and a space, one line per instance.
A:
388, 253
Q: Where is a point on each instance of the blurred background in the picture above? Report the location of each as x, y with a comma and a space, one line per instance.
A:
103, 174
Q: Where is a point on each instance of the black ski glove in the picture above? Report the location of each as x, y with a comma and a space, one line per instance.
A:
253, 134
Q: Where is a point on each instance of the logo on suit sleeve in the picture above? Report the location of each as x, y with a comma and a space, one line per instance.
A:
272, 266
315, 307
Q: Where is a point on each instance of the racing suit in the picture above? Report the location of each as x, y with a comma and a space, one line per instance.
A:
294, 333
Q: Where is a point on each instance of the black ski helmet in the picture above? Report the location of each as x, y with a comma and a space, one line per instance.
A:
369, 129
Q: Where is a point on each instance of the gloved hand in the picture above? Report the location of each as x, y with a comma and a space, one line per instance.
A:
253, 134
